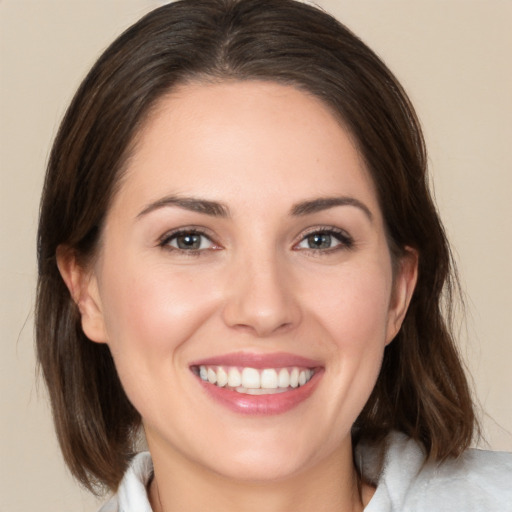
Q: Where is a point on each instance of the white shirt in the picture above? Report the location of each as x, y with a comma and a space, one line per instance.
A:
477, 481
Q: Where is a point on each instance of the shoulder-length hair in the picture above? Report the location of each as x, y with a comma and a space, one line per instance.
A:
421, 389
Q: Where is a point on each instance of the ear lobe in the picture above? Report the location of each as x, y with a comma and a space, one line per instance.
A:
83, 287
403, 288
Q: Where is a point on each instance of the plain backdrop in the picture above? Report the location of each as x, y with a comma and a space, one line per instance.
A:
453, 57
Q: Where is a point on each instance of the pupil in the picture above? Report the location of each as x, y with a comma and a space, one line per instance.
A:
189, 241
319, 241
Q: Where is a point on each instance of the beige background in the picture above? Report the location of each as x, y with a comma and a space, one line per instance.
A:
454, 58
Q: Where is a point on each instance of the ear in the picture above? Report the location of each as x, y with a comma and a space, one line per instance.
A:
83, 287
403, 288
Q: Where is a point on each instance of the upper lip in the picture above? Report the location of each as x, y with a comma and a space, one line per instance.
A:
258, 361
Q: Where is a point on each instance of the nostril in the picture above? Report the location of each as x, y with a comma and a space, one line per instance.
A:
261, 302
260, 327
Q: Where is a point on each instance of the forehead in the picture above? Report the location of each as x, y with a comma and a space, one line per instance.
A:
222, 139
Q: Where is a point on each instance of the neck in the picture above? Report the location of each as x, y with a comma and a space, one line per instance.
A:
332, 485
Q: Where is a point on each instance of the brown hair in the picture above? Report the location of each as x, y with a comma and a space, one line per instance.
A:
421, 390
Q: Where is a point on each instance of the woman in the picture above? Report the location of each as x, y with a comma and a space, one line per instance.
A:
239, 256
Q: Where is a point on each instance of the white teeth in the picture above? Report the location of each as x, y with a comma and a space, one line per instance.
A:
284, 378
265, 391
234, 378
269, 379
294, 378
222, 377
251, 378
212, 376
256, 382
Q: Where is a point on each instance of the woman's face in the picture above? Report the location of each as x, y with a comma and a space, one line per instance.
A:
245, 246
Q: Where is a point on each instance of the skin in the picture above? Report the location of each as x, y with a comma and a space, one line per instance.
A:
255, 285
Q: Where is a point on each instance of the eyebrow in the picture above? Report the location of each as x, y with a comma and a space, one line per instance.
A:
213, 208
216, 209
324, 203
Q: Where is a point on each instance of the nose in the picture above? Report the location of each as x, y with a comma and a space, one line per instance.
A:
261, 297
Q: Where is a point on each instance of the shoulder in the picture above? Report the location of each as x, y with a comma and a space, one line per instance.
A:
477, 481
131, 495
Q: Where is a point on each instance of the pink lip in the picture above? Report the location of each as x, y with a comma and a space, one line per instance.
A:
263, 405
259, 361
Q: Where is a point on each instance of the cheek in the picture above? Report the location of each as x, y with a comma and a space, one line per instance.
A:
149, 318
154, 311
354, 310
354, 307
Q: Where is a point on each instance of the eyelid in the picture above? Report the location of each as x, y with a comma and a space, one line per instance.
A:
163, 241
345, 239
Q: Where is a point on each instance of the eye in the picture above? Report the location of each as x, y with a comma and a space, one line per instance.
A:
325, 240
187, 240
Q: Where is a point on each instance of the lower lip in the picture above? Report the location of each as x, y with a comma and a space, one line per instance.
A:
263, 405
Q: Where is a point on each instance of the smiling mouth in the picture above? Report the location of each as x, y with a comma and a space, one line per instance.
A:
253, 381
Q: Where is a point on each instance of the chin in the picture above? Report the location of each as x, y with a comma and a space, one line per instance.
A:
259, 460
258, 467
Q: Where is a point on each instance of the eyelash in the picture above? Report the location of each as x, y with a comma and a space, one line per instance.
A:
166, 240
344, 240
